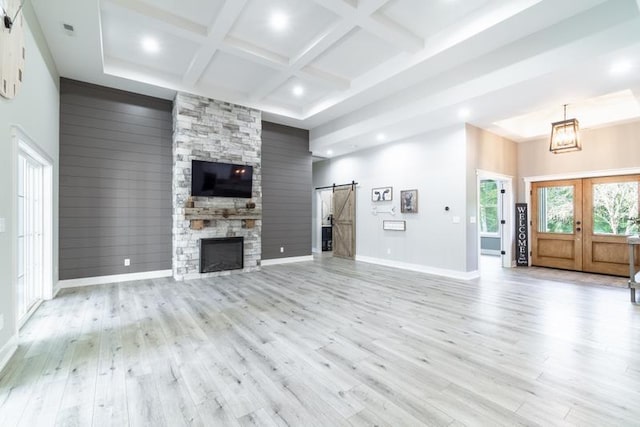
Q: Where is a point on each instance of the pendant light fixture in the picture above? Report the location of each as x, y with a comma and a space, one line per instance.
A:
565, 135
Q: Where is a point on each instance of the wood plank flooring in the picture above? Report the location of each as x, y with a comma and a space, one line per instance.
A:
329, 343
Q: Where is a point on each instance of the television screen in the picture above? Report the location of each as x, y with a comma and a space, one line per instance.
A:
211, 179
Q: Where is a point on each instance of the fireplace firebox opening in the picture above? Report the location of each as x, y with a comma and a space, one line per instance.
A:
221, 254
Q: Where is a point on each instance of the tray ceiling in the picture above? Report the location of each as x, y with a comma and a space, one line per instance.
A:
351, 70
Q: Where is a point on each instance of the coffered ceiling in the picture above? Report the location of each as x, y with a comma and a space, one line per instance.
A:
358, 73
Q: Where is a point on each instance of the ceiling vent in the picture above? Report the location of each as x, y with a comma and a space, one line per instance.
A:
68, 29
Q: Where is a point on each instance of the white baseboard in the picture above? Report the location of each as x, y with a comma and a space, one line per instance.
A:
453, 274
116, 278
266, 262
7, 351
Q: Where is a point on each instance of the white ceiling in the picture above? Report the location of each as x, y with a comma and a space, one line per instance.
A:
369, 71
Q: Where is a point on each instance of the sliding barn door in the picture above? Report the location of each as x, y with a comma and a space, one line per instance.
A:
344, 222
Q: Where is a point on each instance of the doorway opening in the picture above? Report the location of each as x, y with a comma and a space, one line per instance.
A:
495, 219
34, 226
335, 223
326, 222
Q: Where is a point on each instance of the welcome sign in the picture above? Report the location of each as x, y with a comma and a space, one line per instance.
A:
522, 235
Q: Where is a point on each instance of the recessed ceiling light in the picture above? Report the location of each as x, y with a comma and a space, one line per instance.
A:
279, 21
150, 45
381, 137
298, 90
329, 152
464, 113
621, 67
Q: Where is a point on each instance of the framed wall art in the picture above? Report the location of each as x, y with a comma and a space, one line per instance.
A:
409, 201
382, 194
394, 225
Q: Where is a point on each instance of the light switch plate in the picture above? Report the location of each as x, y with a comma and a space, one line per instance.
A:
472, 220
456, 220
3, 225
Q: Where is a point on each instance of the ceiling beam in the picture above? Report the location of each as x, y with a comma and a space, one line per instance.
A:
229, 13
254, 53
339, 7
393, 33
171, 23
324, 78
363, 16
309, 53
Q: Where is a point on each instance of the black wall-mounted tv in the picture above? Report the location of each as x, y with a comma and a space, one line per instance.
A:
211, 179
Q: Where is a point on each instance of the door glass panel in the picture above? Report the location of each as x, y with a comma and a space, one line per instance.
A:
489, 207
30, 228
555, 205
615, 208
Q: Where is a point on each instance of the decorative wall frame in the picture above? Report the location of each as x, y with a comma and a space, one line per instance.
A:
382, 194
394, 225
409, 201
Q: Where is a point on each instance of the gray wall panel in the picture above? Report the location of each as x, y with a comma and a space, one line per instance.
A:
286, 189
115, 181
118, 117
107, 241
111, 135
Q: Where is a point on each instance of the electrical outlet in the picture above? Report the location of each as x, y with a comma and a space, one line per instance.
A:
456, 220
472, 220
127, 262
281, 249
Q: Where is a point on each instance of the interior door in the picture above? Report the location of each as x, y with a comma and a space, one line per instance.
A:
30, 235
344, 224
556, 231
610, 203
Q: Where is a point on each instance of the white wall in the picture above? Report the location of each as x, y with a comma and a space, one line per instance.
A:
486, 152
36, 111
607, 148
436, 165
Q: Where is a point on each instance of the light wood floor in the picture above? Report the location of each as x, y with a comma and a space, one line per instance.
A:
329, 343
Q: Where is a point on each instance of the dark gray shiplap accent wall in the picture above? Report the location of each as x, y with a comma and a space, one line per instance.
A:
286, 191
115, 181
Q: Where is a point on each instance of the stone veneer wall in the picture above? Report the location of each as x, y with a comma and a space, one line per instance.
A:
206, 129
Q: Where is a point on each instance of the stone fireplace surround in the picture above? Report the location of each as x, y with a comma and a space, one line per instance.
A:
211, 130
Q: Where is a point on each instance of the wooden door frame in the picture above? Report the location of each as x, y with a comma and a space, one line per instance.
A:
528, 180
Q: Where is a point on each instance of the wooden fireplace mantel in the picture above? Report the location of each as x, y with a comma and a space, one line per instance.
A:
197, 216
216, 213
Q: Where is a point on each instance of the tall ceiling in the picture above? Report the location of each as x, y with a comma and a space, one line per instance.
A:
359, 73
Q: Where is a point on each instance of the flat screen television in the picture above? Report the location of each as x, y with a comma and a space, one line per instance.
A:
212, 179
